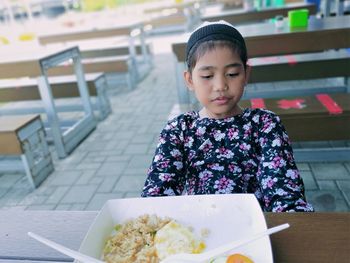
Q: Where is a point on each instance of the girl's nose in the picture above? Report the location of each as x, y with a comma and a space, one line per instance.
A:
220, 84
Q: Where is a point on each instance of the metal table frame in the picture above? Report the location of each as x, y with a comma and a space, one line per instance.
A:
66, 141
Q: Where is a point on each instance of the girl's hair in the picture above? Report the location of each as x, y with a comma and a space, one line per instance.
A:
201, 48
210, 35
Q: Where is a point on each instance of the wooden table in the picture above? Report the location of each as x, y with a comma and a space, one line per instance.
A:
65, 35
36, 65
133, 31
265, 39
249, 16
312, 237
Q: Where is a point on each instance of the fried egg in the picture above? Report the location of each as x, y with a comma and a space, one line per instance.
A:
174, 238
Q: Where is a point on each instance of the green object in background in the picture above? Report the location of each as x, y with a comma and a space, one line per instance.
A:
298, 18
257, 4
278, 2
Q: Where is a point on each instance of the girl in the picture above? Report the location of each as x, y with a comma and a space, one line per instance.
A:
223, 148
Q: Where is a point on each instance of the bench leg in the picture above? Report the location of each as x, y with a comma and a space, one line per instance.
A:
36, 157
347, 84
103, 104
133, 66
145, 55
50, 108
182, 91
66, 141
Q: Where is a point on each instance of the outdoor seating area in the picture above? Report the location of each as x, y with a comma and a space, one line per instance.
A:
96, 88
84, 96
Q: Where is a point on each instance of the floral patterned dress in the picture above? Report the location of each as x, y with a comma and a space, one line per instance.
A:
247, 153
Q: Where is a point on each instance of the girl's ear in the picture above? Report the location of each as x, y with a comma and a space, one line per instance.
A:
247, 73
188, 80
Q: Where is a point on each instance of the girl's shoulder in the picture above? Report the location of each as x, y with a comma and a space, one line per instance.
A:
259, 114
182, 120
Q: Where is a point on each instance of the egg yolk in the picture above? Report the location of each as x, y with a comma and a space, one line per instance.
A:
238, 258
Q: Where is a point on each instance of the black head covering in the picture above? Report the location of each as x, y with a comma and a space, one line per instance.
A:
219, 30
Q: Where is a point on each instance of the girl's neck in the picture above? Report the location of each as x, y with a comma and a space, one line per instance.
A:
203, 113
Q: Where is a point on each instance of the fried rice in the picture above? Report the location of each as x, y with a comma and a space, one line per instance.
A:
134, 241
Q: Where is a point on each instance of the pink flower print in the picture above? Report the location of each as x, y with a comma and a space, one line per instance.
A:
263, 141
157, 157
231, 167
154, 190
267, 201
232, 133
218, 135
268, 126
166, 177
278, 207
169, 192
207, 146
247, 127
174, 139
293, 174
224, 185
223, 152
200, 131
248, 166
171, 125
188, 142
175, 153
204, 177
278, 162
245, 147
234, 168
164, 164
198, 163
161, 140
216, 166
276, 142
268, 182
178, 165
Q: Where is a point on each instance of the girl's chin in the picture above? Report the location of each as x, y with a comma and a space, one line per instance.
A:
220, 114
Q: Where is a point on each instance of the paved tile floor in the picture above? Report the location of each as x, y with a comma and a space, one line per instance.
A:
112, 162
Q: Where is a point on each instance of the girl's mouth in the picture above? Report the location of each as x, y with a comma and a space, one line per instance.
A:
221, 100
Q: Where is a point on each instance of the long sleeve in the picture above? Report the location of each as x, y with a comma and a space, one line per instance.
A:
166, 174
281, 186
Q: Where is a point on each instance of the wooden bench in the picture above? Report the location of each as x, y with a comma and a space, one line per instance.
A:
319, 119
264, 40
24, 136
131, 33
88, 50
300, 67
167, 23
62, 87
251, 16
139, 64
121, 66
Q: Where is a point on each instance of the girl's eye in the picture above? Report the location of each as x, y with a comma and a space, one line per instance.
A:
232, 75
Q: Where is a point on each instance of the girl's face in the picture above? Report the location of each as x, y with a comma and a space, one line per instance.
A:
218, 81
